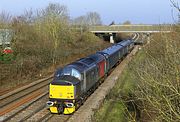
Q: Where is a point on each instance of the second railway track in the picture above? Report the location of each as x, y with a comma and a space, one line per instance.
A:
28, 104
24, 96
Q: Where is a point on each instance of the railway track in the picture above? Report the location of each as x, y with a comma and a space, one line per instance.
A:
28, 110
45, 116
59, 118
22, 99
42, 116
28, 104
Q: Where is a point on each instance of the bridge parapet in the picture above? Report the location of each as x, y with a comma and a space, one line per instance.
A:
130, 28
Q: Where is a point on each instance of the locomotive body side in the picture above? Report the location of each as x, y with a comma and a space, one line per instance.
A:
101, 64
112, 55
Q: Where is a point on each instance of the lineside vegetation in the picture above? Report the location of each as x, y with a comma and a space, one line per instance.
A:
42, 41
159, 76
149, 89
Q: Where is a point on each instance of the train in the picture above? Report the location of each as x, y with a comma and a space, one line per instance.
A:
72, 84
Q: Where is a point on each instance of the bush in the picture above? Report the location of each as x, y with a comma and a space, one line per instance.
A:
158, 74
47, 42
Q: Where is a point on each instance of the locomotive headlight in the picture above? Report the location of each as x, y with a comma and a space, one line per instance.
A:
50, 103
69, 105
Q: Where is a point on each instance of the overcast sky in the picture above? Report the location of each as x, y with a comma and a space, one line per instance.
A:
136, 11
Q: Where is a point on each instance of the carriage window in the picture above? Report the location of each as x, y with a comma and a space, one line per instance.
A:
72, 72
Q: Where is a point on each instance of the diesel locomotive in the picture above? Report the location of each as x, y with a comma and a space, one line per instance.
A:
73, 83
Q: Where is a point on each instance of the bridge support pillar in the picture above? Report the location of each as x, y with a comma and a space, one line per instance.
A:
111, 38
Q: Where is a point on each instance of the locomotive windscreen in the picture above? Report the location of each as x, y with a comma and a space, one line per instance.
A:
65, 80
72, 72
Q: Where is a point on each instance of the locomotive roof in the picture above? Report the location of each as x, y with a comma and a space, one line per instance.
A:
82, 64
111, 50
70, 70
96, 57
78, 66
87, 61
125, 42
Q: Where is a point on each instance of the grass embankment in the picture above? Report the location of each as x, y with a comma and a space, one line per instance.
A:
149, 87
115, 105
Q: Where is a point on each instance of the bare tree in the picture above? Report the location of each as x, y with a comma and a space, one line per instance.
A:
54, 21
93, 18
54, 10
81, 20
177, 7
29, 16
5, 18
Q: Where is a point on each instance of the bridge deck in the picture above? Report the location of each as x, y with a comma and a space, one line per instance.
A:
130, 28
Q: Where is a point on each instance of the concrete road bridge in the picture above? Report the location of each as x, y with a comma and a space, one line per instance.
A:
6, 34
113, 29
131, 29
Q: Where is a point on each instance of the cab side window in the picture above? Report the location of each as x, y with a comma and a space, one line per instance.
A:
76, 74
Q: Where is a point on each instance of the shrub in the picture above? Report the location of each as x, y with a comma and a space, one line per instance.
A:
159, 76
